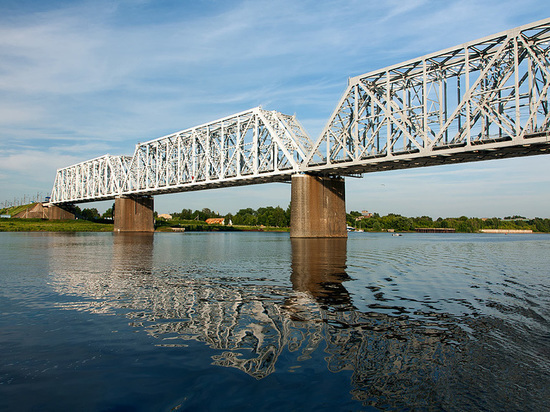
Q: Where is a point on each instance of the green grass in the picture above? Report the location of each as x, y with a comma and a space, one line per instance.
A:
12, 211
42, 225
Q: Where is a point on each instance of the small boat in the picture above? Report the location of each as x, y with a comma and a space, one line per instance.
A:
396, 234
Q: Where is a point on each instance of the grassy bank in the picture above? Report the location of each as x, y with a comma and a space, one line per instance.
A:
12, 211
41, 225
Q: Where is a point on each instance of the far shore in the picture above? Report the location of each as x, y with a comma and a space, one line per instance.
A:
81, 225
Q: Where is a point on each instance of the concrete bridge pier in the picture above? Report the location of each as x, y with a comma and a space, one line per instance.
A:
134, 214
55, 212
318, 207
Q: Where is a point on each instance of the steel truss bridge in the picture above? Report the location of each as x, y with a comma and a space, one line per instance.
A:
482, 100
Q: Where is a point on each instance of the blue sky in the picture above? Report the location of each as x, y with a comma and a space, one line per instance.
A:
79, 79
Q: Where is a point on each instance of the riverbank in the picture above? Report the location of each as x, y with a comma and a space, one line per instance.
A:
81, 225
42, 225
219, 228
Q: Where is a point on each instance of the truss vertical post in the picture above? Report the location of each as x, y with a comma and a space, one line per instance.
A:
355, 122
222, 152
194, 155
239, 147
255, 144
468, 109
532, 94
425, 96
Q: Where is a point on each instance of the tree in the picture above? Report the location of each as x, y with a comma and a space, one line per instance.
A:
229, 219
90, 214
108, 214
279, 217
351, 217
186, 214
423, 221
246, 217
542, 225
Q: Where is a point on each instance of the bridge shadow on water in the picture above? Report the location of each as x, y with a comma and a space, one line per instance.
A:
394, 358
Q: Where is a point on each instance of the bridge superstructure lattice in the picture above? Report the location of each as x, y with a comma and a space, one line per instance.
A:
254, 146
484, 99
481, 100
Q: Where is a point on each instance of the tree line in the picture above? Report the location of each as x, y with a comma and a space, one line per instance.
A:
93, 213
279, 217
266, 216
462, 224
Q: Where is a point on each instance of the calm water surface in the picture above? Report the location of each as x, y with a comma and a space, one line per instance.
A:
257, 321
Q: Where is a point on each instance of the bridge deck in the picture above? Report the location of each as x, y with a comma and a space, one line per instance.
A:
535, 144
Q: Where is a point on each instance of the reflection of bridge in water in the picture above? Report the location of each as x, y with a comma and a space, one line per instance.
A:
251, 323
486, 99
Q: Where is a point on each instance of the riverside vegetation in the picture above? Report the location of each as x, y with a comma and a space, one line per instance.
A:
462, 224
268, 219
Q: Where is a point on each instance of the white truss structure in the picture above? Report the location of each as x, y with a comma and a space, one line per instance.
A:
484, 99
255, 146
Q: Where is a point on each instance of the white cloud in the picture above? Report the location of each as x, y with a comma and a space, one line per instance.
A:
40, 165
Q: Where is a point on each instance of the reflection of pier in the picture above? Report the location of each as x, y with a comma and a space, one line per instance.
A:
319, 268
252, 322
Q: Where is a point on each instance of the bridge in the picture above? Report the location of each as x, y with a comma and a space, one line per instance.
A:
485, 99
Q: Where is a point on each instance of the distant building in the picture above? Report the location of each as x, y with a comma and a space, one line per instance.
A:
365, 214
216, 221
165, 216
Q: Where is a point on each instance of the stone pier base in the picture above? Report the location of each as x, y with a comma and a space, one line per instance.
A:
318, 207
58, 213
134, 214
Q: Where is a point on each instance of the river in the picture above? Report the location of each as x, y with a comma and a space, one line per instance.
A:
259, 321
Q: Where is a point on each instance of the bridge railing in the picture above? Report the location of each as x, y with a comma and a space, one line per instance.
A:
480, 93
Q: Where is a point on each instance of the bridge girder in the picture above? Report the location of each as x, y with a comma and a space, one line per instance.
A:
461, 104
253, 146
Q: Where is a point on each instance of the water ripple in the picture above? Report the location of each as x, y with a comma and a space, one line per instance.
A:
421, 322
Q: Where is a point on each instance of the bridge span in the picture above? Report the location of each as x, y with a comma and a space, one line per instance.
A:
481, 100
